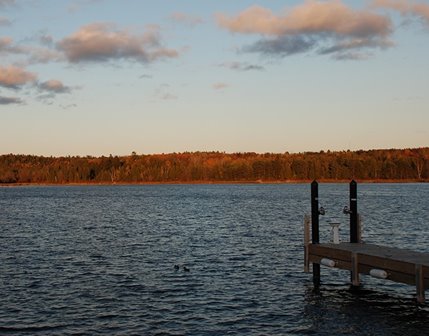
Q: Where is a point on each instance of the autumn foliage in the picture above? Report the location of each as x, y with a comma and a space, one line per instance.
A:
373, 165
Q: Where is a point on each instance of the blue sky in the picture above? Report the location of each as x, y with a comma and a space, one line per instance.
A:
100, 77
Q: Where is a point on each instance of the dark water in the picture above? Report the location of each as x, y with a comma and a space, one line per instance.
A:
100, 260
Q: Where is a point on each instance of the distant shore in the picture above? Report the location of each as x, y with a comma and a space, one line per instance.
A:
372, 181
373, 166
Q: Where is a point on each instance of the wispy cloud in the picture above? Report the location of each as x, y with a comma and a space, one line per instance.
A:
6, 46
101, 42
10, 100
14, 77
282, 45
69, 106
4, 3
45, 39
219, 86
240, 66
78, 5
352, 55
31, 54
163, 93
186, 19
406, 8
4, 21
324, 26
167, 96
54, 86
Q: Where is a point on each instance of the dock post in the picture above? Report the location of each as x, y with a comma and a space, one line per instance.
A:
355, 270
315, 228
359, 221
353, 213
420, 287
306, 243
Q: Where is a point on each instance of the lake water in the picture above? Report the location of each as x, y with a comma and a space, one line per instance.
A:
100, 260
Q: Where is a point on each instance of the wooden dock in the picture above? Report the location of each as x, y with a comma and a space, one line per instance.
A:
399, 265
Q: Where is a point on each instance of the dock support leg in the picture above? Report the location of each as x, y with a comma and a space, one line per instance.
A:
359, 223
353, 213
420, 287
355, 270
315, 228
306, 243
316, 275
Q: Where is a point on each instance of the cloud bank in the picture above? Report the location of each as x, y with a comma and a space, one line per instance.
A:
329, 27
101, 42
93, 43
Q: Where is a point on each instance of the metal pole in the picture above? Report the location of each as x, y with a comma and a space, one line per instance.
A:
353, 213
315, 212
315, 227
306, 243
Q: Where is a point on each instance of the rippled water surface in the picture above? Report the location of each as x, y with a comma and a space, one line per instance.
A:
100, 260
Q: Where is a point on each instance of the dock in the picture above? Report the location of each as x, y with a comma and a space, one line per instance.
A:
384, 262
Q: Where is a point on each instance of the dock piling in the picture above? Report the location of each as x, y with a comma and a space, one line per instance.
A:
306, 243
355, 270
315, 228
353, 213
420, 286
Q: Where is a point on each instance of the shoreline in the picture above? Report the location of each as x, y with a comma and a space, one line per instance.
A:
327, 181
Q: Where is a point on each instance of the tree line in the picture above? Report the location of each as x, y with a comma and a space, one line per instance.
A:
370, 165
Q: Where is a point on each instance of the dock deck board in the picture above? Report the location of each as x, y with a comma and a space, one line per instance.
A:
385, 252
401, 265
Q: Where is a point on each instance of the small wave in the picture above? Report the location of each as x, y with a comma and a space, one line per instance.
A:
31, 328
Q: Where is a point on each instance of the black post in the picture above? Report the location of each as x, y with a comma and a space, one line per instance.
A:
353, 213
315, 227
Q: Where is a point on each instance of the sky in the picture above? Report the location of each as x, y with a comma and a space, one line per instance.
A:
101, 77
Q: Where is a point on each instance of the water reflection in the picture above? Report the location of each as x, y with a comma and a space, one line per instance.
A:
339, 309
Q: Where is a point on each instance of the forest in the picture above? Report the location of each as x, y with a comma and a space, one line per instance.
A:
218, 167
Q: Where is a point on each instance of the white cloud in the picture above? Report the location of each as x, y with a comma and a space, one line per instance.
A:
54, 86
101, 42
314, 25
14, 77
